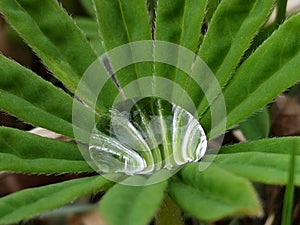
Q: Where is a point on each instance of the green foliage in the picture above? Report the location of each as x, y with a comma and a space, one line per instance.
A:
214, 193
90, 28
130, 24
67, 46
266, 161
31, 202
34, 154
256, 126
267, 72
132, 205
47, 106
184, 29
53, 35
232, 28
288, 204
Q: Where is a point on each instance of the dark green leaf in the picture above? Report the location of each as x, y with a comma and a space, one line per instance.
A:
128, 205
256, 126
130, 23
229, 34
270, 70
53, 35
214, 193
33, 201
30, 98
88, 6
266, 161
22, 152
90, 28
178, 22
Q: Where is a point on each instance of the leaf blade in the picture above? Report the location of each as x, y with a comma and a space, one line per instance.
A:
212, 194
178, 22
127, 205
34, 100
33, 201
23, 152
257, 126
266, 161
237, 25
130, 24
57, 40
263, 76
230, 32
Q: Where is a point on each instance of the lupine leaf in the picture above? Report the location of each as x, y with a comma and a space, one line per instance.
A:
130, 24
30, 98
90, 28
127, 205
230, 32
89, 7
53, 35
214, 193
22, 152
270, 70
257, 126
33, 201
178, 22
266, 161
267, 72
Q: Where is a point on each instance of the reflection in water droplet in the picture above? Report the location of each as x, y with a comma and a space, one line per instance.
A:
149, 136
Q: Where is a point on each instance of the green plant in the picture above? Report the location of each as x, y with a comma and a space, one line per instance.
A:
249, 81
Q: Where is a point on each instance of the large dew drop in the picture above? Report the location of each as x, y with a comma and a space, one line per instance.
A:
145, 137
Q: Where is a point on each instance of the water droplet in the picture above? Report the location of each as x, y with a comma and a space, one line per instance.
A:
146, 136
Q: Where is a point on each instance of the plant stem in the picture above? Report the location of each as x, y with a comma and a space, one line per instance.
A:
281, 11
289, 193
169, 213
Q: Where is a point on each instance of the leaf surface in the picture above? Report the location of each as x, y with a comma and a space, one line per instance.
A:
270, 70
33, 201
127, 205
257, 126
31, 99
266, 161
214, 193
23, 152
230, 32
56, 40
130, 23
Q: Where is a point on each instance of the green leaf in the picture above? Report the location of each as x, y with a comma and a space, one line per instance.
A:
210, 9
53, 35
30, 98
256, 126
88, 6
169, 213
178, 22
127, 205
23, 152
270, 70
90, 28
266, 161
214, 193
33, 201
288, 205
230, 32
130, 23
